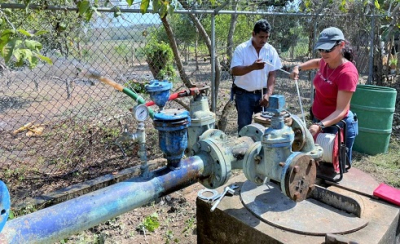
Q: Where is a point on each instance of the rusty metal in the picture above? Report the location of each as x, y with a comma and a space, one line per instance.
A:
265, 118
337, 200
300, 177
299, 140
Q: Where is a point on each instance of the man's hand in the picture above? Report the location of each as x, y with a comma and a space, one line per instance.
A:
258, 64
264, 102
245, 69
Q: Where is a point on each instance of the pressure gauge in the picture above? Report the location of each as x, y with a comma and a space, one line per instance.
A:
141, 112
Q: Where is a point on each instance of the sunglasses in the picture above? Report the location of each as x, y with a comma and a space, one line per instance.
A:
328, 51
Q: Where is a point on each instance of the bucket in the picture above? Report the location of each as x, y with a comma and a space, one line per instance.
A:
374, 106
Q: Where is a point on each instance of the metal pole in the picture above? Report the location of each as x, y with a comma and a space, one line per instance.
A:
213, 91
311, 74
371, 50
62, 220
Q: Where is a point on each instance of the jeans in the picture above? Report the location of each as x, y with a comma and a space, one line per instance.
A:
351, 132
246, 104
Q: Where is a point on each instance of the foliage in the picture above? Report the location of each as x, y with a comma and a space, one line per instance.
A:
393, 61
16, 44
159, 6
25, 35
150, 223
295, 52
21, 212
160, 58
190, 224
136, 86
20, 46
184, 29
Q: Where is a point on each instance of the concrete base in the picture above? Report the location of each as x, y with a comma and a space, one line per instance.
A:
232, 222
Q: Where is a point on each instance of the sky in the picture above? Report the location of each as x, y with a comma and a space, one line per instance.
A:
131, 19
126, 19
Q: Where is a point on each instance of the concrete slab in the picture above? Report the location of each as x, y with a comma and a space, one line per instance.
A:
232, 222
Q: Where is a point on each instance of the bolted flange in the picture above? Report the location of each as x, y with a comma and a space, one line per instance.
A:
298, 176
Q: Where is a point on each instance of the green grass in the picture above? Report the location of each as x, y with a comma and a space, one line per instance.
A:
383, 167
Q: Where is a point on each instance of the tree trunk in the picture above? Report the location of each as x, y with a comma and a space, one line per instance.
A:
207, 40
223, 120
232, 27
229, 106
175, 50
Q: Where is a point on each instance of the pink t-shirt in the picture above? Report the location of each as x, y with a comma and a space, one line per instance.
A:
328, 82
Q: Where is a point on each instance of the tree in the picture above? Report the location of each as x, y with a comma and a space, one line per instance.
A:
18, 43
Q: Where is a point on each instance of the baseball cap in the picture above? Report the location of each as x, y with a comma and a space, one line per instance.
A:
328, 38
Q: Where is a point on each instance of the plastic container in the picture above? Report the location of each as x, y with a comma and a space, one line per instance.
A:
374, 106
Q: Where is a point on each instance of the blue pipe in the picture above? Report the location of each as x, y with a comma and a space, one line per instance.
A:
54, 223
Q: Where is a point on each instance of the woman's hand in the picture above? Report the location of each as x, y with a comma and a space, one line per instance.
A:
314, 129
294, 75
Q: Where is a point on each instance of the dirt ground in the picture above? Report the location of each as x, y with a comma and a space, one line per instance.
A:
176, 217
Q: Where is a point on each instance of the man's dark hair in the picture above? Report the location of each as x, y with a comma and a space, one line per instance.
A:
262, 25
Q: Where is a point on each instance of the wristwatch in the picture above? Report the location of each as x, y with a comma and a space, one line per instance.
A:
320, 124
298, 67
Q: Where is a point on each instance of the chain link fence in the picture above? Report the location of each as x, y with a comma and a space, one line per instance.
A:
59, 127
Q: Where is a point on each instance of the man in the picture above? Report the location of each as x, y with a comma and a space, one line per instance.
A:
254, 64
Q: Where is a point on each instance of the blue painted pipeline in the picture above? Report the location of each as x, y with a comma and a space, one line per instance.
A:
54, 223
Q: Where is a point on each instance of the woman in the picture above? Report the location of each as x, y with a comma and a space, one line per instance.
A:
335, 83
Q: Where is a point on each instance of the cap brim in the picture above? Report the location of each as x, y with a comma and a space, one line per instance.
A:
325, 45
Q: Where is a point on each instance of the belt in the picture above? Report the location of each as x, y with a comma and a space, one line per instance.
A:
254, 92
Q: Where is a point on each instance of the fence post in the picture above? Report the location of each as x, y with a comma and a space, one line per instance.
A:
371, 50
213, 81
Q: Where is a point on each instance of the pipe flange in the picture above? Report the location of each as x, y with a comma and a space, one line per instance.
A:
213, 134
255, 131
251, 161
218, 162
298, 176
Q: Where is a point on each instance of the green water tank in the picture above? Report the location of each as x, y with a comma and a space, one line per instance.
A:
374, 106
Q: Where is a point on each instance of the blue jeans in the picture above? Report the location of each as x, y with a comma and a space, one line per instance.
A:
246, 104
351, 133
